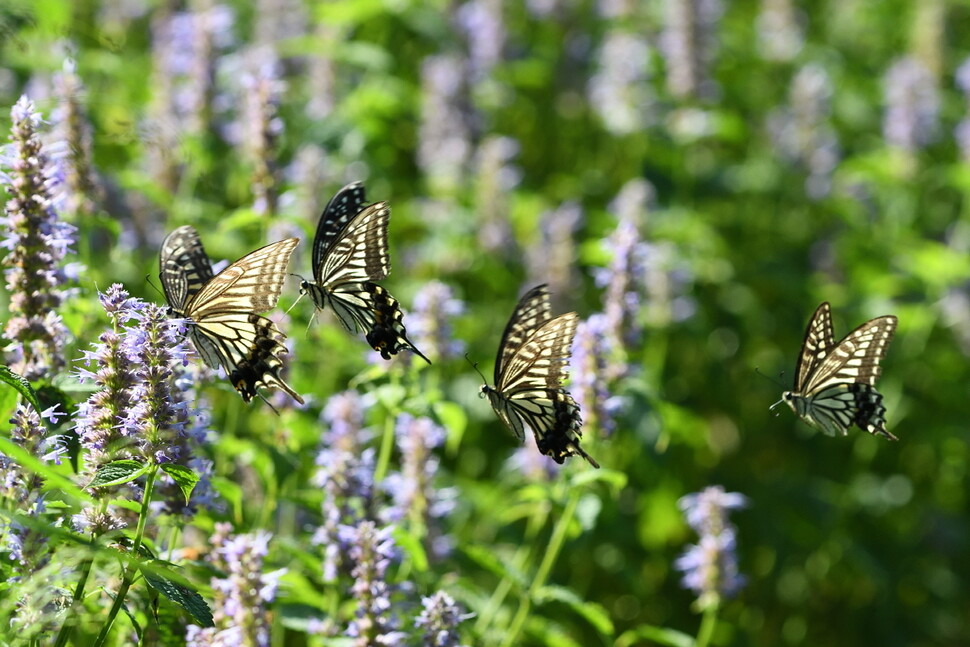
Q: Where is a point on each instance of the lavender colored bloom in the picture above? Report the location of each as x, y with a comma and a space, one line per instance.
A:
531, 464
241, 599
322, 73
780, 36
495, 178
278, 21
710, 567
412, 490
371, 553
912, 101
620, 90
261, 125
688, 44
962, 130
444, 137
439, 618
481, 23
588, 368
21, 489
345, 473
83, 191
552, 259
37, 242
801, 131
430, 324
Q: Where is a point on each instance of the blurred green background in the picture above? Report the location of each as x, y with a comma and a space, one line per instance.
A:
796, 152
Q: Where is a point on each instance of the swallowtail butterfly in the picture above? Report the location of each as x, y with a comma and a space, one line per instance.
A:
222, 309
349, 254
835, 382
532, 362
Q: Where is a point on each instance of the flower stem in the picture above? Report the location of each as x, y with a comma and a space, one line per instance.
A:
131, 566
708, 623
549, 558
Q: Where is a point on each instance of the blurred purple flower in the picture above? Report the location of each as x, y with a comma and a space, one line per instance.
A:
495, 178
22, 489
710, 567
620, 91
371, 553
688, 43
444, 137
552, 258
430, 324
261, 125
37, 242
801, 131
531, 464
912, 102
345, 473
481, 23
962, 130
241, 599
780, 36
83, 191
439, 618
588, 368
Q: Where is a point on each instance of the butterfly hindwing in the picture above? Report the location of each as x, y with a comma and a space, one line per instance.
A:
532, 362
222, 310
835, 382
350, 253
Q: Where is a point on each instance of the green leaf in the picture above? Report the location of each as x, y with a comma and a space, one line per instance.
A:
23, 386
183, 476
594, 613
453, 418
410, 543
118, 472
487, 558
185, 597
669, 637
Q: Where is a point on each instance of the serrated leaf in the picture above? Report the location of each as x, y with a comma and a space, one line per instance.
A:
185, 477
118, 472
594, 613
185, 597
21, 385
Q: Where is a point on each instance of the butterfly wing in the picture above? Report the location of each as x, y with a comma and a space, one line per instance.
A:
819, 342
184, 267
856, 358
347, 203
251, 284
529, 387
533, 310
359, 252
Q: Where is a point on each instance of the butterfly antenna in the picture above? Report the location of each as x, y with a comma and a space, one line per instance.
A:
780, 375
148, 278
475, 366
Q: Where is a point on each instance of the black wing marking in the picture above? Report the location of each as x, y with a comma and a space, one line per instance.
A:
856, 358
343, 206
533, 310
359, 252
184, 267
819, 341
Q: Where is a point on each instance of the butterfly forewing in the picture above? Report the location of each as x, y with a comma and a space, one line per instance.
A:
346, 204
819, 341
543, 360
856, 358
360, 252
252, 284
533, 310
184, 266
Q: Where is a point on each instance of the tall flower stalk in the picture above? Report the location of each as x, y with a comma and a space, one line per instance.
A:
37, 242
